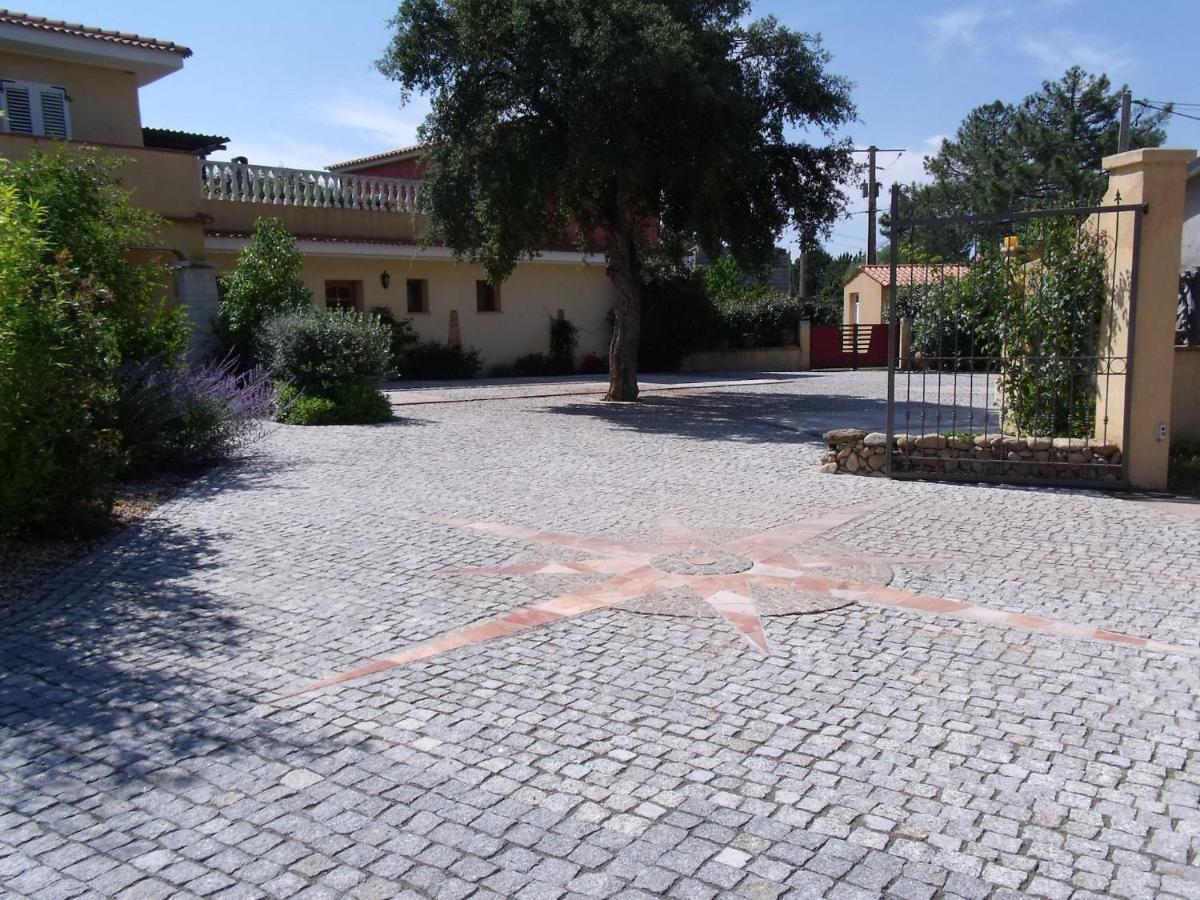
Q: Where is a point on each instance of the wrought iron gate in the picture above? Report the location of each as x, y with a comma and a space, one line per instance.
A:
1006, 354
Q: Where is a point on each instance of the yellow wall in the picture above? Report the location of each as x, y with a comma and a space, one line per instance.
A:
756, 359
310, 220
528, 300
162, 180
872, 297
103, 102
1157, 178
1185, 396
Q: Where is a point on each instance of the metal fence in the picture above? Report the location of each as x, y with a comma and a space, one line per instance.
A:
1003, 327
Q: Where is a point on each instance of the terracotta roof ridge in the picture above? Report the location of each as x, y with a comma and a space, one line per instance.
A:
12, 17
376, 157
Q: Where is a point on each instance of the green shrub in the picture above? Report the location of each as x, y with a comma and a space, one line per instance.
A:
264, 283
73, 305
353, 404
431, 361
88, 223
1183, 473
321, 351
1035, 318
677, 318
744, 309
1051, 327
955, 320
769, 317
564, 338
403, 339
58, 450
532, 365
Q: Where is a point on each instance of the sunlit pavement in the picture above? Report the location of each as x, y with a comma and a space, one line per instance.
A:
535, 645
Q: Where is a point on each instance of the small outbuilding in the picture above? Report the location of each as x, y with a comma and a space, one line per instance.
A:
865, 290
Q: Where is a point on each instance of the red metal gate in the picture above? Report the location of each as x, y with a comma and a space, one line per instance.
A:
849, 346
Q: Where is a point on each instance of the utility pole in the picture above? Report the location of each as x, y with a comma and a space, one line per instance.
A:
870, 190
872, 194
1123, 139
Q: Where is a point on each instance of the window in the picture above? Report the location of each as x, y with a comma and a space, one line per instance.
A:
418, 295
37, 109
487, 297
343, 295
857, 309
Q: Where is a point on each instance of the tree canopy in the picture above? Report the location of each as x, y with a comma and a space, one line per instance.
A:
634, 125
265, 281
1043, 152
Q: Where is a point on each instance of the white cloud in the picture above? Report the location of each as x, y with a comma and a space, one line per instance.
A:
342, 127
910, 166
955, 29
1056, 51
373, 121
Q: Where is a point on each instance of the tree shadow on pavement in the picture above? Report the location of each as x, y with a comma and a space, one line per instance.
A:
126, 663
744, 416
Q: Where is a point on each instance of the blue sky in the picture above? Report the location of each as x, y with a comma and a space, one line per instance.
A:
292, 81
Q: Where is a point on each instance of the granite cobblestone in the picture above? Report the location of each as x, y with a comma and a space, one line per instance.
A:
878, 752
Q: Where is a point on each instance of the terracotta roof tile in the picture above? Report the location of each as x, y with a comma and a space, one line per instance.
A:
10, 17
376, 157
911, 274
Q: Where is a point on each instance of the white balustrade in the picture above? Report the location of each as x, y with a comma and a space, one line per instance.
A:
245, 183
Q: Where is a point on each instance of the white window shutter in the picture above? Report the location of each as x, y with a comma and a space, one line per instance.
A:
18, 110
54, 112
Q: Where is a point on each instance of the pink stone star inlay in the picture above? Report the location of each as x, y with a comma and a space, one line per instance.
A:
721, 574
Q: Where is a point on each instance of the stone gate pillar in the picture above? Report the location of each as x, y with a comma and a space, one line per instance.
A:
196, 290
1157, 178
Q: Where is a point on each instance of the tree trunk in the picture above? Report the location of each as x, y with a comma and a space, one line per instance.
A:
624, 269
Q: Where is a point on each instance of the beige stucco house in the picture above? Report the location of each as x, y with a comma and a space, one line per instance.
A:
1190, 251
865, 290
357, 228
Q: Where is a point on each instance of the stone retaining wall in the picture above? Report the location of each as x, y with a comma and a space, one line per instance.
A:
857, 452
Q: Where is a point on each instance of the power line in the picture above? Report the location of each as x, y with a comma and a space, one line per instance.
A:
1170, 103
1146, 104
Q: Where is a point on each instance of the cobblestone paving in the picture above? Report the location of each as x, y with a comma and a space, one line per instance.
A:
145, 751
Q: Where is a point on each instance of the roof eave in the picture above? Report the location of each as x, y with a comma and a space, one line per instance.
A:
379, 159
148, 64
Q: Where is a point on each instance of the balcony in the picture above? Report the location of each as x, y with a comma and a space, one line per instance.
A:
243, 183
233, 196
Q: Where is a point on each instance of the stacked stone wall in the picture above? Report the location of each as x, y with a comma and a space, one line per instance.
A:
857, 452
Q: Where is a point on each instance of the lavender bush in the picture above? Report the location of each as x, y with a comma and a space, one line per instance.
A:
178, 416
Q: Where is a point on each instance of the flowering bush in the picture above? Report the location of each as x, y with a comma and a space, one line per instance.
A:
176, 416
593, 364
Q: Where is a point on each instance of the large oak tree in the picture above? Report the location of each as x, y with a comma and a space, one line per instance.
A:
631, 125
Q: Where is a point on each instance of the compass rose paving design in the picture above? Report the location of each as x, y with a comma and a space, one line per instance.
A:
792, 570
